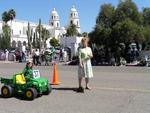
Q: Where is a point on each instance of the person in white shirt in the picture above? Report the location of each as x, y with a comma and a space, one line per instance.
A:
6, 54
65, 56
85, 66
37, 56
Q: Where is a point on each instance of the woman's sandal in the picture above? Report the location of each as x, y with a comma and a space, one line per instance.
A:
80, 90
88, 88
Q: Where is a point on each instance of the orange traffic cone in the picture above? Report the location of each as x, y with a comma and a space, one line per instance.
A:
55, 76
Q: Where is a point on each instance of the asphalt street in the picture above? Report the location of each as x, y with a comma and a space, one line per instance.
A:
114, 90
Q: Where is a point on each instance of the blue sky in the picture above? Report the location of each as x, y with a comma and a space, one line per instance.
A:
32, 10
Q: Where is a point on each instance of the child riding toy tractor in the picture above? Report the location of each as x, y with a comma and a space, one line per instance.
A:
29, 88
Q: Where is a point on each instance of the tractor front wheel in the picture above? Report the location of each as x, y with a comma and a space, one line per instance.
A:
30, 94
6, 91
49, 90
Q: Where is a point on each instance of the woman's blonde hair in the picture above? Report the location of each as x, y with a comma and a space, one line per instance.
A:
84, 39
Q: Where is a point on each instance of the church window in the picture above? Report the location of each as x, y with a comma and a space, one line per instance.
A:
12, 32
24, 30
24, 43
76, 15
13, 44
57, 24
77, 23
52, 23
20, 32
19, 44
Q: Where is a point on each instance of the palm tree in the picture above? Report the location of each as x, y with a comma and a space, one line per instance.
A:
12, 14
5, 17
8, 15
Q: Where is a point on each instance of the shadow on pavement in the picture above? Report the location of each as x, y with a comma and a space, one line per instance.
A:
19, 97
65, 89
1, 96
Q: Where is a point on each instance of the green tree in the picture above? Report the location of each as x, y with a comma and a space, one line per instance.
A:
146, 15
39, 31
45, 36
72, 30
34, 43
146, 33
117, 27
104, 22
5, 37
146, 28
8, 15
29, 33
5, 17
126, 32
120, 25
128, 9
12, 14
85, 34
105, 16
54, 42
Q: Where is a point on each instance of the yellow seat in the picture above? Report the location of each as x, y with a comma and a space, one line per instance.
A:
20, 79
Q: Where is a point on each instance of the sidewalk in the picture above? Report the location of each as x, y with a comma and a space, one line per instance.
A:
2, 61
8, 62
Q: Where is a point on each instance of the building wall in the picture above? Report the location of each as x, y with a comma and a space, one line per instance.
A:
72, 43
1, 24
19, 28
55, 33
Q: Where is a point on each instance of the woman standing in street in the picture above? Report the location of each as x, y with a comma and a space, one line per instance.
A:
85, 67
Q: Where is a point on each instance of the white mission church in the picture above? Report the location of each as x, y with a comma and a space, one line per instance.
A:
19, 28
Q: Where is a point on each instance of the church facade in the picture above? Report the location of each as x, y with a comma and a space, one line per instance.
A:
19, 27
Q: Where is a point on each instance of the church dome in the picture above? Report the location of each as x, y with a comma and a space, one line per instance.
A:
54, 12
73, 9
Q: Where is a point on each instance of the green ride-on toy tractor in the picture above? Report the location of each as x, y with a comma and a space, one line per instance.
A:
29, 88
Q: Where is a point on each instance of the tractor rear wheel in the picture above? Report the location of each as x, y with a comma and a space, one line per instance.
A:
30, 94
6, 91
